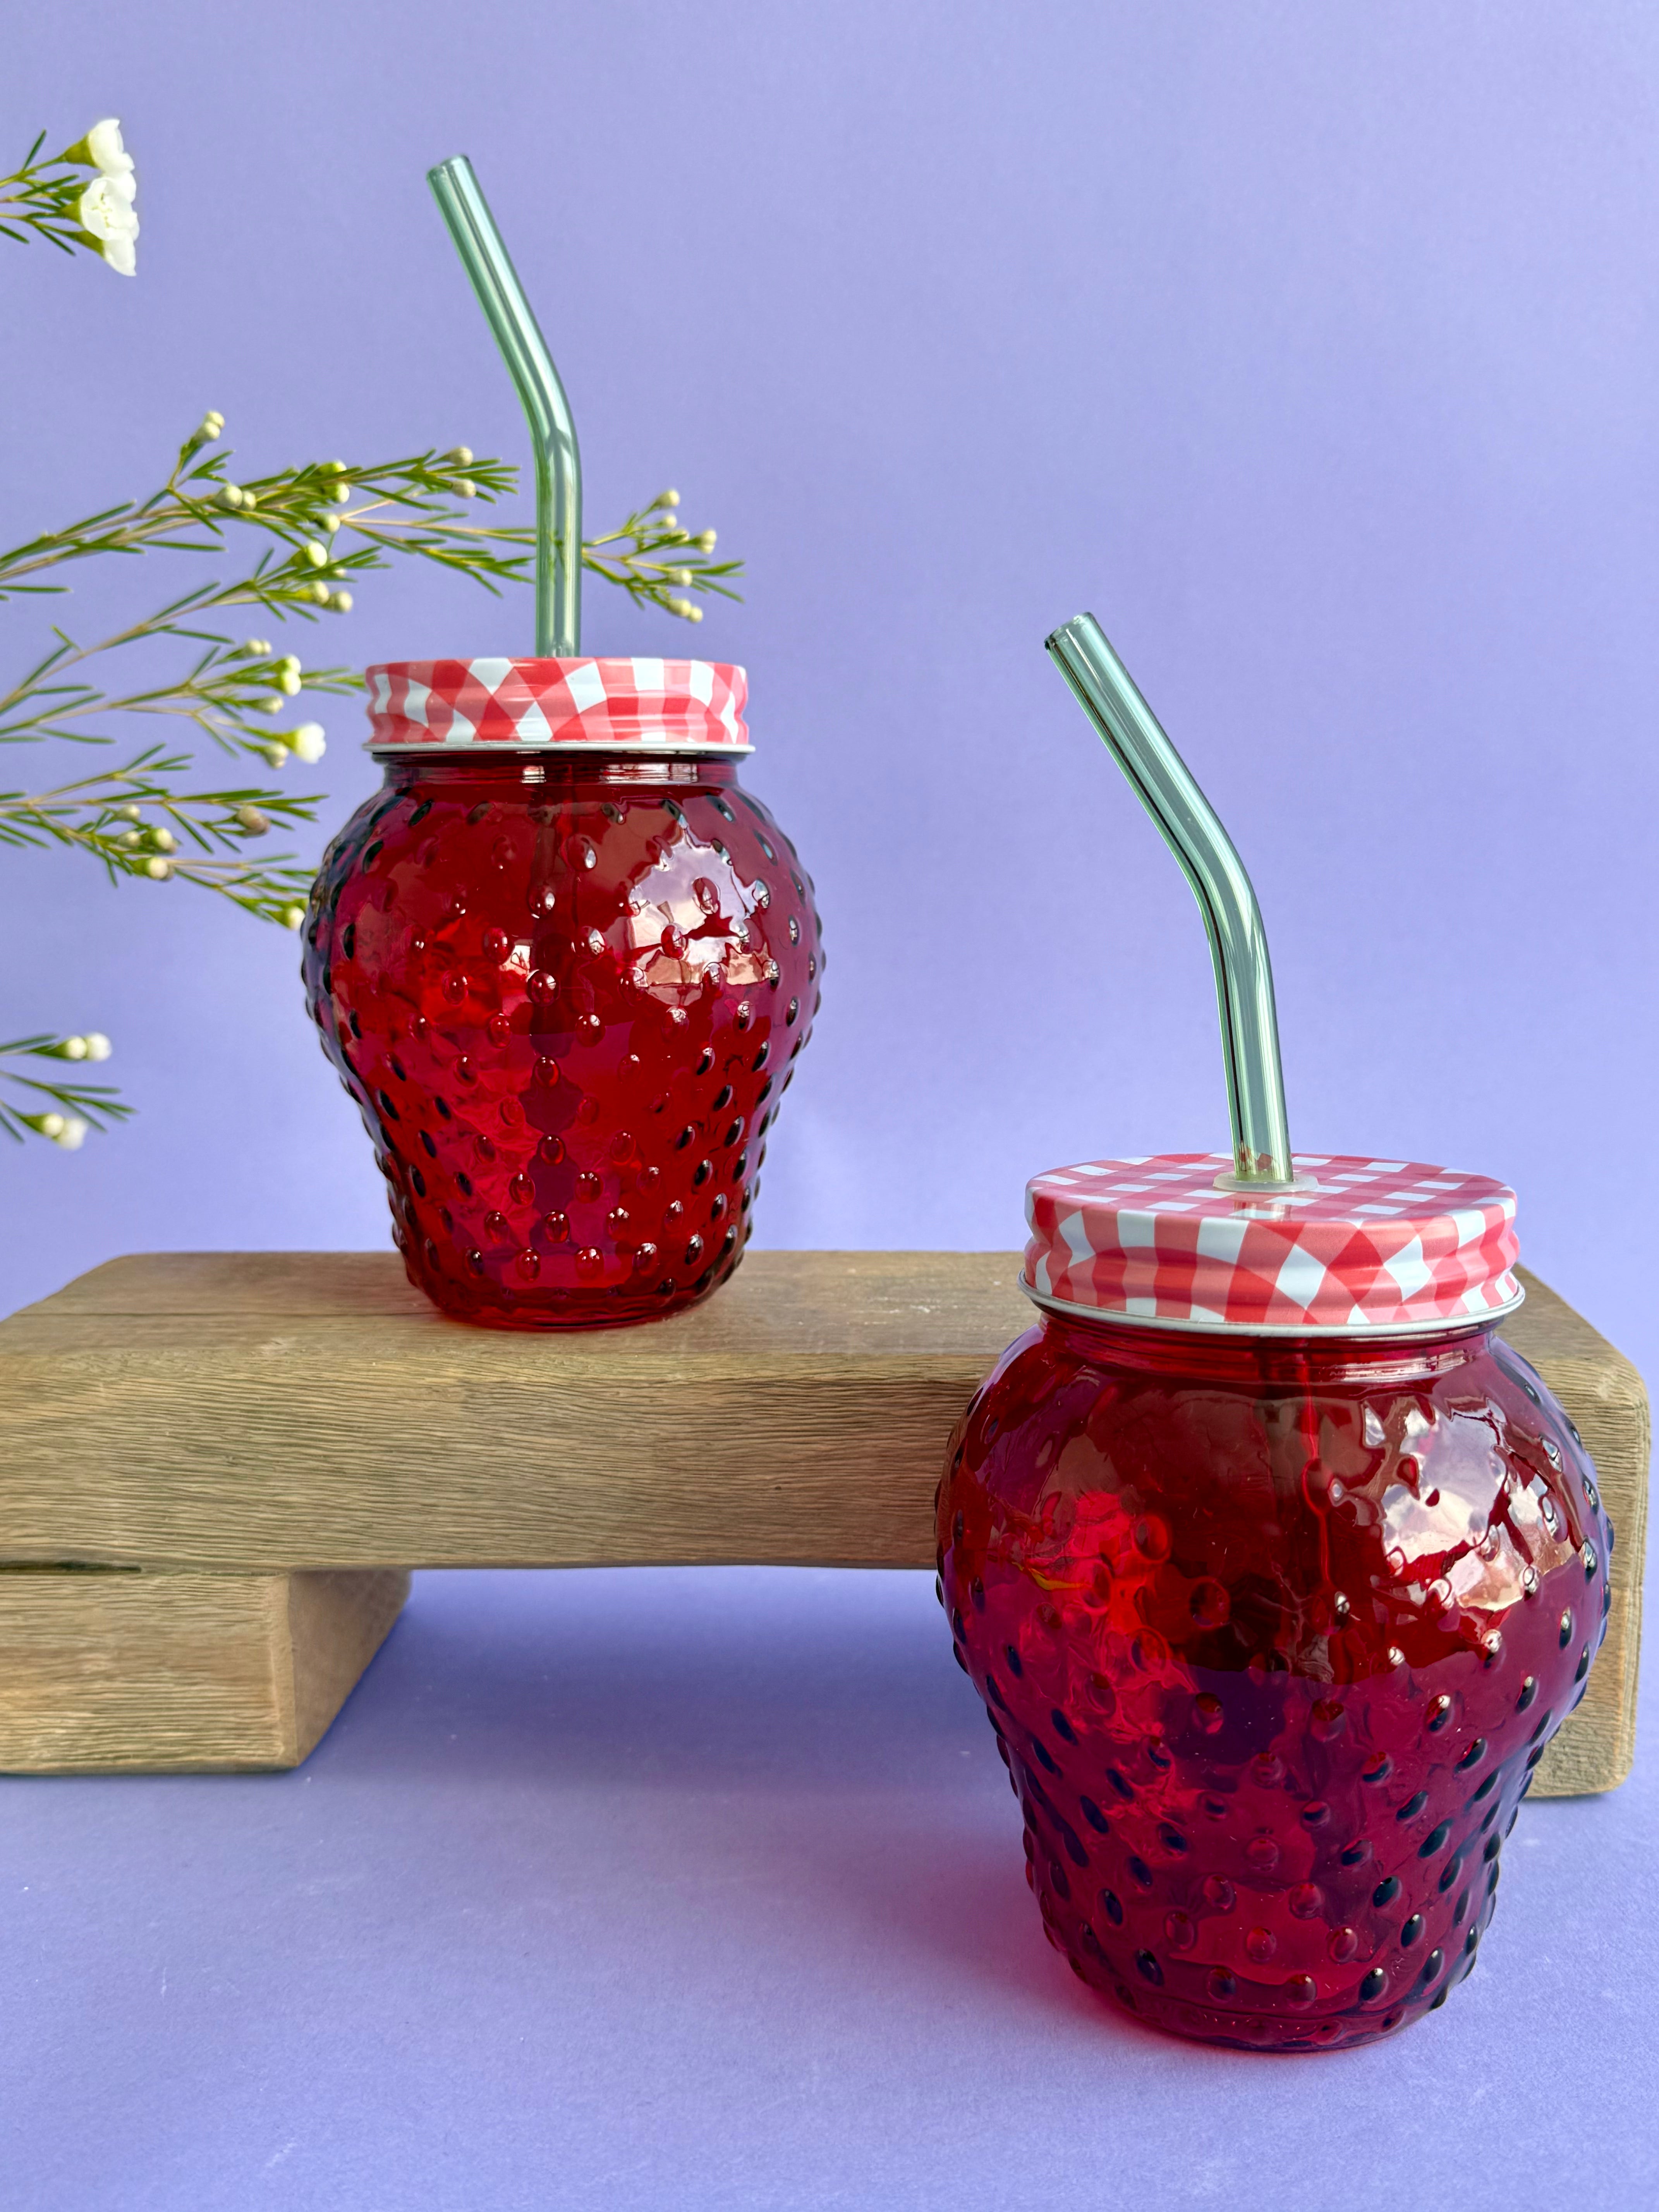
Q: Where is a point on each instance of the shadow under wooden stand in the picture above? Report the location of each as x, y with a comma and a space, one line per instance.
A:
216, 1469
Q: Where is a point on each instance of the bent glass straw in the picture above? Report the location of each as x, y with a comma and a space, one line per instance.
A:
553, 433
1238, 944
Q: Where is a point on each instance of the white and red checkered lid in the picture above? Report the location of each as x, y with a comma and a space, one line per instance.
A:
1366, 1246
635, 705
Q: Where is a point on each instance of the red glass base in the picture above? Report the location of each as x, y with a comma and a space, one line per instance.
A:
567, 996
1273, 1635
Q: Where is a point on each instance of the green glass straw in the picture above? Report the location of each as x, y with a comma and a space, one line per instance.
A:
1238, 945
553, 434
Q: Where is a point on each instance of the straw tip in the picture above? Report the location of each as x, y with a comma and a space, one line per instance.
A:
1063, 634
457, 165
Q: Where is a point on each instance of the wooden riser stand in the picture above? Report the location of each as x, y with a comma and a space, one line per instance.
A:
216, 1469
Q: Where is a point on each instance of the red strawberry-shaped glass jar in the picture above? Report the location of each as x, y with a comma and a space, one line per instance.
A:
564, 964
1277, 1570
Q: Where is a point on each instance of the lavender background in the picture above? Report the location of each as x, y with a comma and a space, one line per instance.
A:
1314, 349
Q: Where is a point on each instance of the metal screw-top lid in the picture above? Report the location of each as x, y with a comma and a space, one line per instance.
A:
1361, 1247
638, 705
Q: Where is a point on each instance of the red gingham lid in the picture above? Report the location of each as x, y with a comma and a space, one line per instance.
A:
1369, 1245
636, 705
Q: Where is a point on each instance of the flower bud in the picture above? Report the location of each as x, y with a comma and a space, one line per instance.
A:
330, 468
71, 1048
290, 664
128, 814
249, 499
158, 870
316, 554
319, 593
275, 755
256, 647
684, 608
163, 841
72, 1135
97, 1045
341, 603
290, 683
250, 822
694, 614
130, 840
49, 1125
705, 540
229, 495
331, 523
308, 743
207, 430
460, 455
463, 488
274, 705
292, 917
666, 499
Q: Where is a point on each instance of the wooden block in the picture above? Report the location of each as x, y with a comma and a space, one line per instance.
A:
271, 1412
165, 1673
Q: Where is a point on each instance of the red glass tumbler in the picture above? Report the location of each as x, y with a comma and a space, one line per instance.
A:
1277, 1569
564, 964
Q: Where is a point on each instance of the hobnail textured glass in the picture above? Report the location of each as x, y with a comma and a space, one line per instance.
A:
1273, 1634
567, 996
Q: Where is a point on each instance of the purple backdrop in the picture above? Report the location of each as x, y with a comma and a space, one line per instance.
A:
1314, 351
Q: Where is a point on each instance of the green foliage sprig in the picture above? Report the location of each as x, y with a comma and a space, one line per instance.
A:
314, 530
73, 1108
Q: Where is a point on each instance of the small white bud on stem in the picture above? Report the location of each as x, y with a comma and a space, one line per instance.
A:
250, 821
460, 455
97, 1044
158, 870
292, 917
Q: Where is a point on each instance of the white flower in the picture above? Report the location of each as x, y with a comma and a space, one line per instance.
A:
105, 212
72, 1135
101, 148
97, 1045
104, 148
308, 743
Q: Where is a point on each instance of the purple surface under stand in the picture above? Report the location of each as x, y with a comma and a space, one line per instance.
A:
678, 1888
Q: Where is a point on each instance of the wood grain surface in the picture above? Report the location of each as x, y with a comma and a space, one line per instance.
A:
265, 1413
135, 1672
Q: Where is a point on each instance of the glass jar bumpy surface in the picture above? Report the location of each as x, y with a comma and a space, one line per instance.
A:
1272, 1633
567, 996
